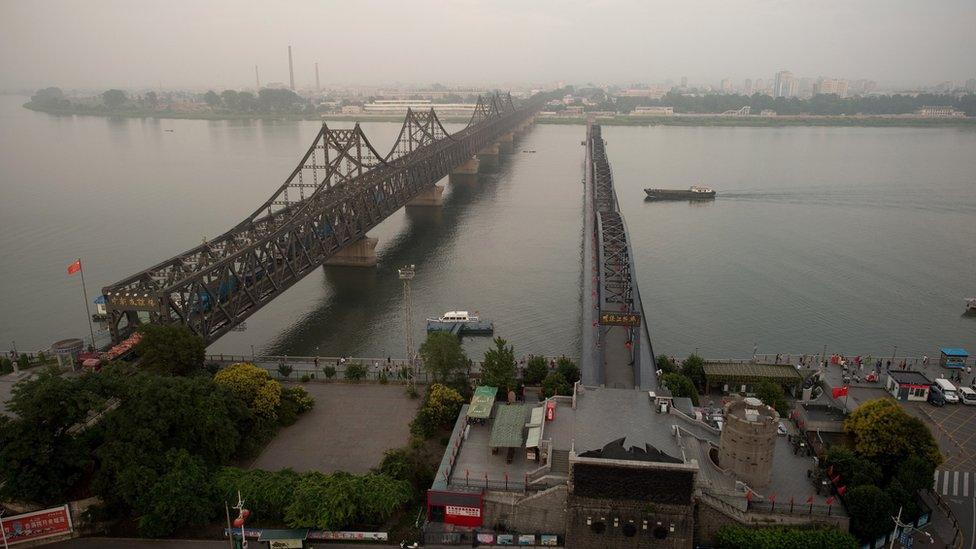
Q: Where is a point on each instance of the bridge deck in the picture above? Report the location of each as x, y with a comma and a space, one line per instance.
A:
612, 355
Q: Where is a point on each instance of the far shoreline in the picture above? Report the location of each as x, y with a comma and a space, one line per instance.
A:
715, 120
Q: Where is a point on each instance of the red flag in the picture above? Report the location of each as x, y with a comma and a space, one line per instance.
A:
810, 499
841, 490
749, 495
772, 497
835, 480
74, 267
840, 391
830, 500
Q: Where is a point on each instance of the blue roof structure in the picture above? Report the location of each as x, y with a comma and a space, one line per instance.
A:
954, 351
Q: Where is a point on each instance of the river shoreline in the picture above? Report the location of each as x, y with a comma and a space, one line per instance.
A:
623, 120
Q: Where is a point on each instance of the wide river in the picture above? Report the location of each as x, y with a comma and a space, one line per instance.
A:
860, 239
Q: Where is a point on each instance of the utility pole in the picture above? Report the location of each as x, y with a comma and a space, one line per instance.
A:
406, 275
257, 78
291, 71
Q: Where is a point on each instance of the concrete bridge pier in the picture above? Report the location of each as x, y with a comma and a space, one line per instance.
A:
361, 253
506, 144
467, 172
488, 158
429, 197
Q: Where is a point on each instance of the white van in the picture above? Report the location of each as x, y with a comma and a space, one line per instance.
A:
967, 396
948, 390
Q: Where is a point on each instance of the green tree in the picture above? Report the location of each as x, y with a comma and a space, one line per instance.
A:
887, 435
535, 370
171, 349
568, 369
916, 473
498, 369
665, 364
693, 368
440, 410
253, 386
556, 384
443, 357
853, 469
268, 493
152, 99
870, 510
355, 371
772, 394
183, 495
113, 99
329, 371
211, 99
230, 99
680, 386
329, 502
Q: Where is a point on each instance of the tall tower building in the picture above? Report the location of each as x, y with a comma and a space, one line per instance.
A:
747, 86
318, 87
291, 71
784, 85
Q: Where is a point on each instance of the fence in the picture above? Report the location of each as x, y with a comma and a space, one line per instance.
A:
795, 508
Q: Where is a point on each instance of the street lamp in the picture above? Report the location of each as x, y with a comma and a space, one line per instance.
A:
906, 529
406, 275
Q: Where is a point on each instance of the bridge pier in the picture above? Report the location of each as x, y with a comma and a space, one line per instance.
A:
430, 197
361, 253
488, 158
467, 172
506, 144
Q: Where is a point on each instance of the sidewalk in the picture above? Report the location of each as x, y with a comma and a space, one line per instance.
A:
943, 526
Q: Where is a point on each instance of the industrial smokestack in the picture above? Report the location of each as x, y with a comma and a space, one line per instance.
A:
318, 87
257, 78
291, 71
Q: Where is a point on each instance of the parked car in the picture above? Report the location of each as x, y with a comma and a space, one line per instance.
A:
936, 398
967, 396
949, 391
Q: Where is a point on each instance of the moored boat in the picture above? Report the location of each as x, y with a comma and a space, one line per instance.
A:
460, 323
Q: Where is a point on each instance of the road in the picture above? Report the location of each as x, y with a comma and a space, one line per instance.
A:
130, 543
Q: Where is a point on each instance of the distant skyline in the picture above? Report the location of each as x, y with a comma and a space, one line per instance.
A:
115, 43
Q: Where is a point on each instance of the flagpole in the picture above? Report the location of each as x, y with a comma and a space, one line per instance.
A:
84, 292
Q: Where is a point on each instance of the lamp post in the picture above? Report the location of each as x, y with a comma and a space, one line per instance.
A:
406, 275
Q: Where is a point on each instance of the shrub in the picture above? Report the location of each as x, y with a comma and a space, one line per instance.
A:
772, 394
6, 366
305, 378
535, 370
556, 384
412, 391
285, 369
355, 372
382, 378
253, 386
439, 410
665, 364
287, 413
300, 397
693, 368
568, 369
746, 537
329, 371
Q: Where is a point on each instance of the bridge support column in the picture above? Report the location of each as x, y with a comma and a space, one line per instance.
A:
430, 197
361, 253
467, 172
506, 144
488, 158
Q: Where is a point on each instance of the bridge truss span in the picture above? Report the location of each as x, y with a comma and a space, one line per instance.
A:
341, 188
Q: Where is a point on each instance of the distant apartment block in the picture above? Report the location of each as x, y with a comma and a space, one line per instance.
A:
767, 112
831, 86
726, 85
352, 109
653, 111
652, 92
938, 111
399, 106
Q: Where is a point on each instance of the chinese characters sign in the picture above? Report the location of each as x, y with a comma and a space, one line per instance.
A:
37, 525
620, 319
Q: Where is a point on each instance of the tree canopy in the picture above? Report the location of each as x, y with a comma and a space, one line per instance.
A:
536, 369
680, 386
746, 537
885, 433
498, 369
444, 359
253, 386
171, 348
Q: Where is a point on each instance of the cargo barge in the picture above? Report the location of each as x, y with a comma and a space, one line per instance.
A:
693, 193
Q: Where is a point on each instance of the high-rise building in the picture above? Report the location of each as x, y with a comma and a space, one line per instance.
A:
747, 86
291, 71
726, 85
760, 86
971, 85
835, 86
785, 85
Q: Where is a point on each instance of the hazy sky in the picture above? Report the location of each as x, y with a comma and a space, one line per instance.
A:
131, 43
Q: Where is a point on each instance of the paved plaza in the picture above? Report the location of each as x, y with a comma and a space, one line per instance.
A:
349, 428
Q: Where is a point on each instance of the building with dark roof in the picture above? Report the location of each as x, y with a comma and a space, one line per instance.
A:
908, 385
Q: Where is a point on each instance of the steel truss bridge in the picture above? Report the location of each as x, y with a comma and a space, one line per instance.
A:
341, 188
617, 349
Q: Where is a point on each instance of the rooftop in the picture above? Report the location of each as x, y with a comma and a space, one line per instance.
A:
747, 371
909, 377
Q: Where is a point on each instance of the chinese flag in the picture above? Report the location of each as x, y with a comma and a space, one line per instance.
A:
749, 495
810, 499
74, 267
841, 490
830, 500
840, 391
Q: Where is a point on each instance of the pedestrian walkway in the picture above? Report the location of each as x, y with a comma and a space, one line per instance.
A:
955, 483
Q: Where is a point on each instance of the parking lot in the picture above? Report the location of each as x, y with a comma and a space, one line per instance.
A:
349, 428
